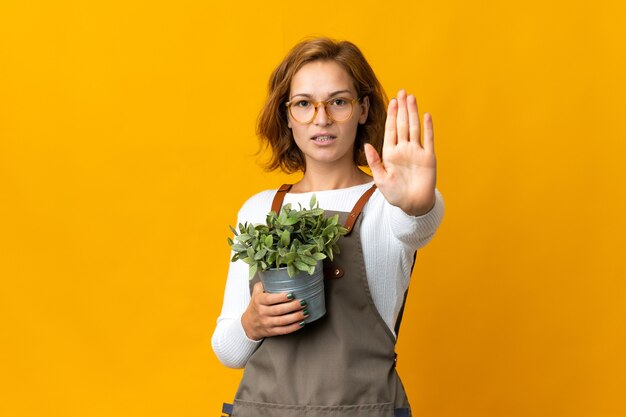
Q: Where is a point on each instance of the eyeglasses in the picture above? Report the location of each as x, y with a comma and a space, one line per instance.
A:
337, 109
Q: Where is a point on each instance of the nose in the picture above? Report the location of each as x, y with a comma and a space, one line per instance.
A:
321, 116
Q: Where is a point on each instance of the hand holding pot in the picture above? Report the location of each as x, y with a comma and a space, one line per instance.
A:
272, 314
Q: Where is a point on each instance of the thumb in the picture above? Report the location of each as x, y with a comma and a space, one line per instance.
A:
374, 162
257, 289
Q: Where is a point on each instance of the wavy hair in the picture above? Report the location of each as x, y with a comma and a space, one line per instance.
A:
272, 123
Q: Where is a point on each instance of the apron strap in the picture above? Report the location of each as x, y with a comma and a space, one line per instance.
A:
227, 409
279, 197
354, 214
402, 412
399, 319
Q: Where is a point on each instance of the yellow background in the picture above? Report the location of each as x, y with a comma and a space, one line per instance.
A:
127, 146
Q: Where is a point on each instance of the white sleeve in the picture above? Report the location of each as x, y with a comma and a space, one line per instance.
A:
415, 231
230, 343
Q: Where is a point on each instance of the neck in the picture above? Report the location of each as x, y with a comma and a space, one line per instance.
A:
322, 178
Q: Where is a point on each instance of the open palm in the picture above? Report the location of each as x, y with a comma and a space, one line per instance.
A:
407, 173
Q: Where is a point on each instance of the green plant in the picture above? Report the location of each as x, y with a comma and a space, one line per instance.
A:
296, 239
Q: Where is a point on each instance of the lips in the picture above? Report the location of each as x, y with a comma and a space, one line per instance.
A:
323, 137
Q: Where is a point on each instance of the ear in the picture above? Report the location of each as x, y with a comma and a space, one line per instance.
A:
364, 105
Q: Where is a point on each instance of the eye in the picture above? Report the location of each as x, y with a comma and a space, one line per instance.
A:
338, 102
302, 104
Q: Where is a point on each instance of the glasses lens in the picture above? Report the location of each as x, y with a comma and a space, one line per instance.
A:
302, 110
339, 109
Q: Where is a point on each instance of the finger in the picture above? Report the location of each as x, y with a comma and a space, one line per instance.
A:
284, 308
257, 290
269, 298
403, 118
429, 133
375, 164
279, 331
391, 135
414, 120
287, 319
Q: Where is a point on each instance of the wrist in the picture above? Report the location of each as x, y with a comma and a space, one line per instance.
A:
248, 328
420, 210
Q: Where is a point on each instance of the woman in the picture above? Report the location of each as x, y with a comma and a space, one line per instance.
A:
326, 115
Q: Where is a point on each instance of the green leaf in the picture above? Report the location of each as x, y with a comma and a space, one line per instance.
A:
318, 256
301, 266
285, 238
308, 260
272, 258
253, 269
268, 241
260, 254
307, 248
291, 270
230, 241
238, 247
290, 221
244, 237
313, 201
328, 230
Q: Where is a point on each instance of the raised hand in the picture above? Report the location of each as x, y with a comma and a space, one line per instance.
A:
407, 173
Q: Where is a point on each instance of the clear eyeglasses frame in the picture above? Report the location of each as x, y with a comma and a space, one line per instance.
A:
337, 112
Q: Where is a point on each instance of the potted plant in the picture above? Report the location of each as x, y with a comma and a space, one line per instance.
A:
287, 252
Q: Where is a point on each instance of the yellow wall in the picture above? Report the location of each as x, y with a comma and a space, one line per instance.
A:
126, 148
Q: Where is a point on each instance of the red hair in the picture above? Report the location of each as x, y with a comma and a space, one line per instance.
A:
272, 125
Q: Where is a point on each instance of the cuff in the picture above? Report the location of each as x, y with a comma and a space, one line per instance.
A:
233, 348
416, 231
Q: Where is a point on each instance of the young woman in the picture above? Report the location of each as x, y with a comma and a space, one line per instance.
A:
326, 114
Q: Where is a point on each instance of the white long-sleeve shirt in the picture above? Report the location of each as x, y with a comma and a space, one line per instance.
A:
389, 238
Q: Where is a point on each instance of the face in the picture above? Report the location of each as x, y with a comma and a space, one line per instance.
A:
324, 140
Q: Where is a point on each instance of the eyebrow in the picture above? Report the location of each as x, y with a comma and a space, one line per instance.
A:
334, 93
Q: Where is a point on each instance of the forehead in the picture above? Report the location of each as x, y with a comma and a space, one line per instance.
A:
321, 78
